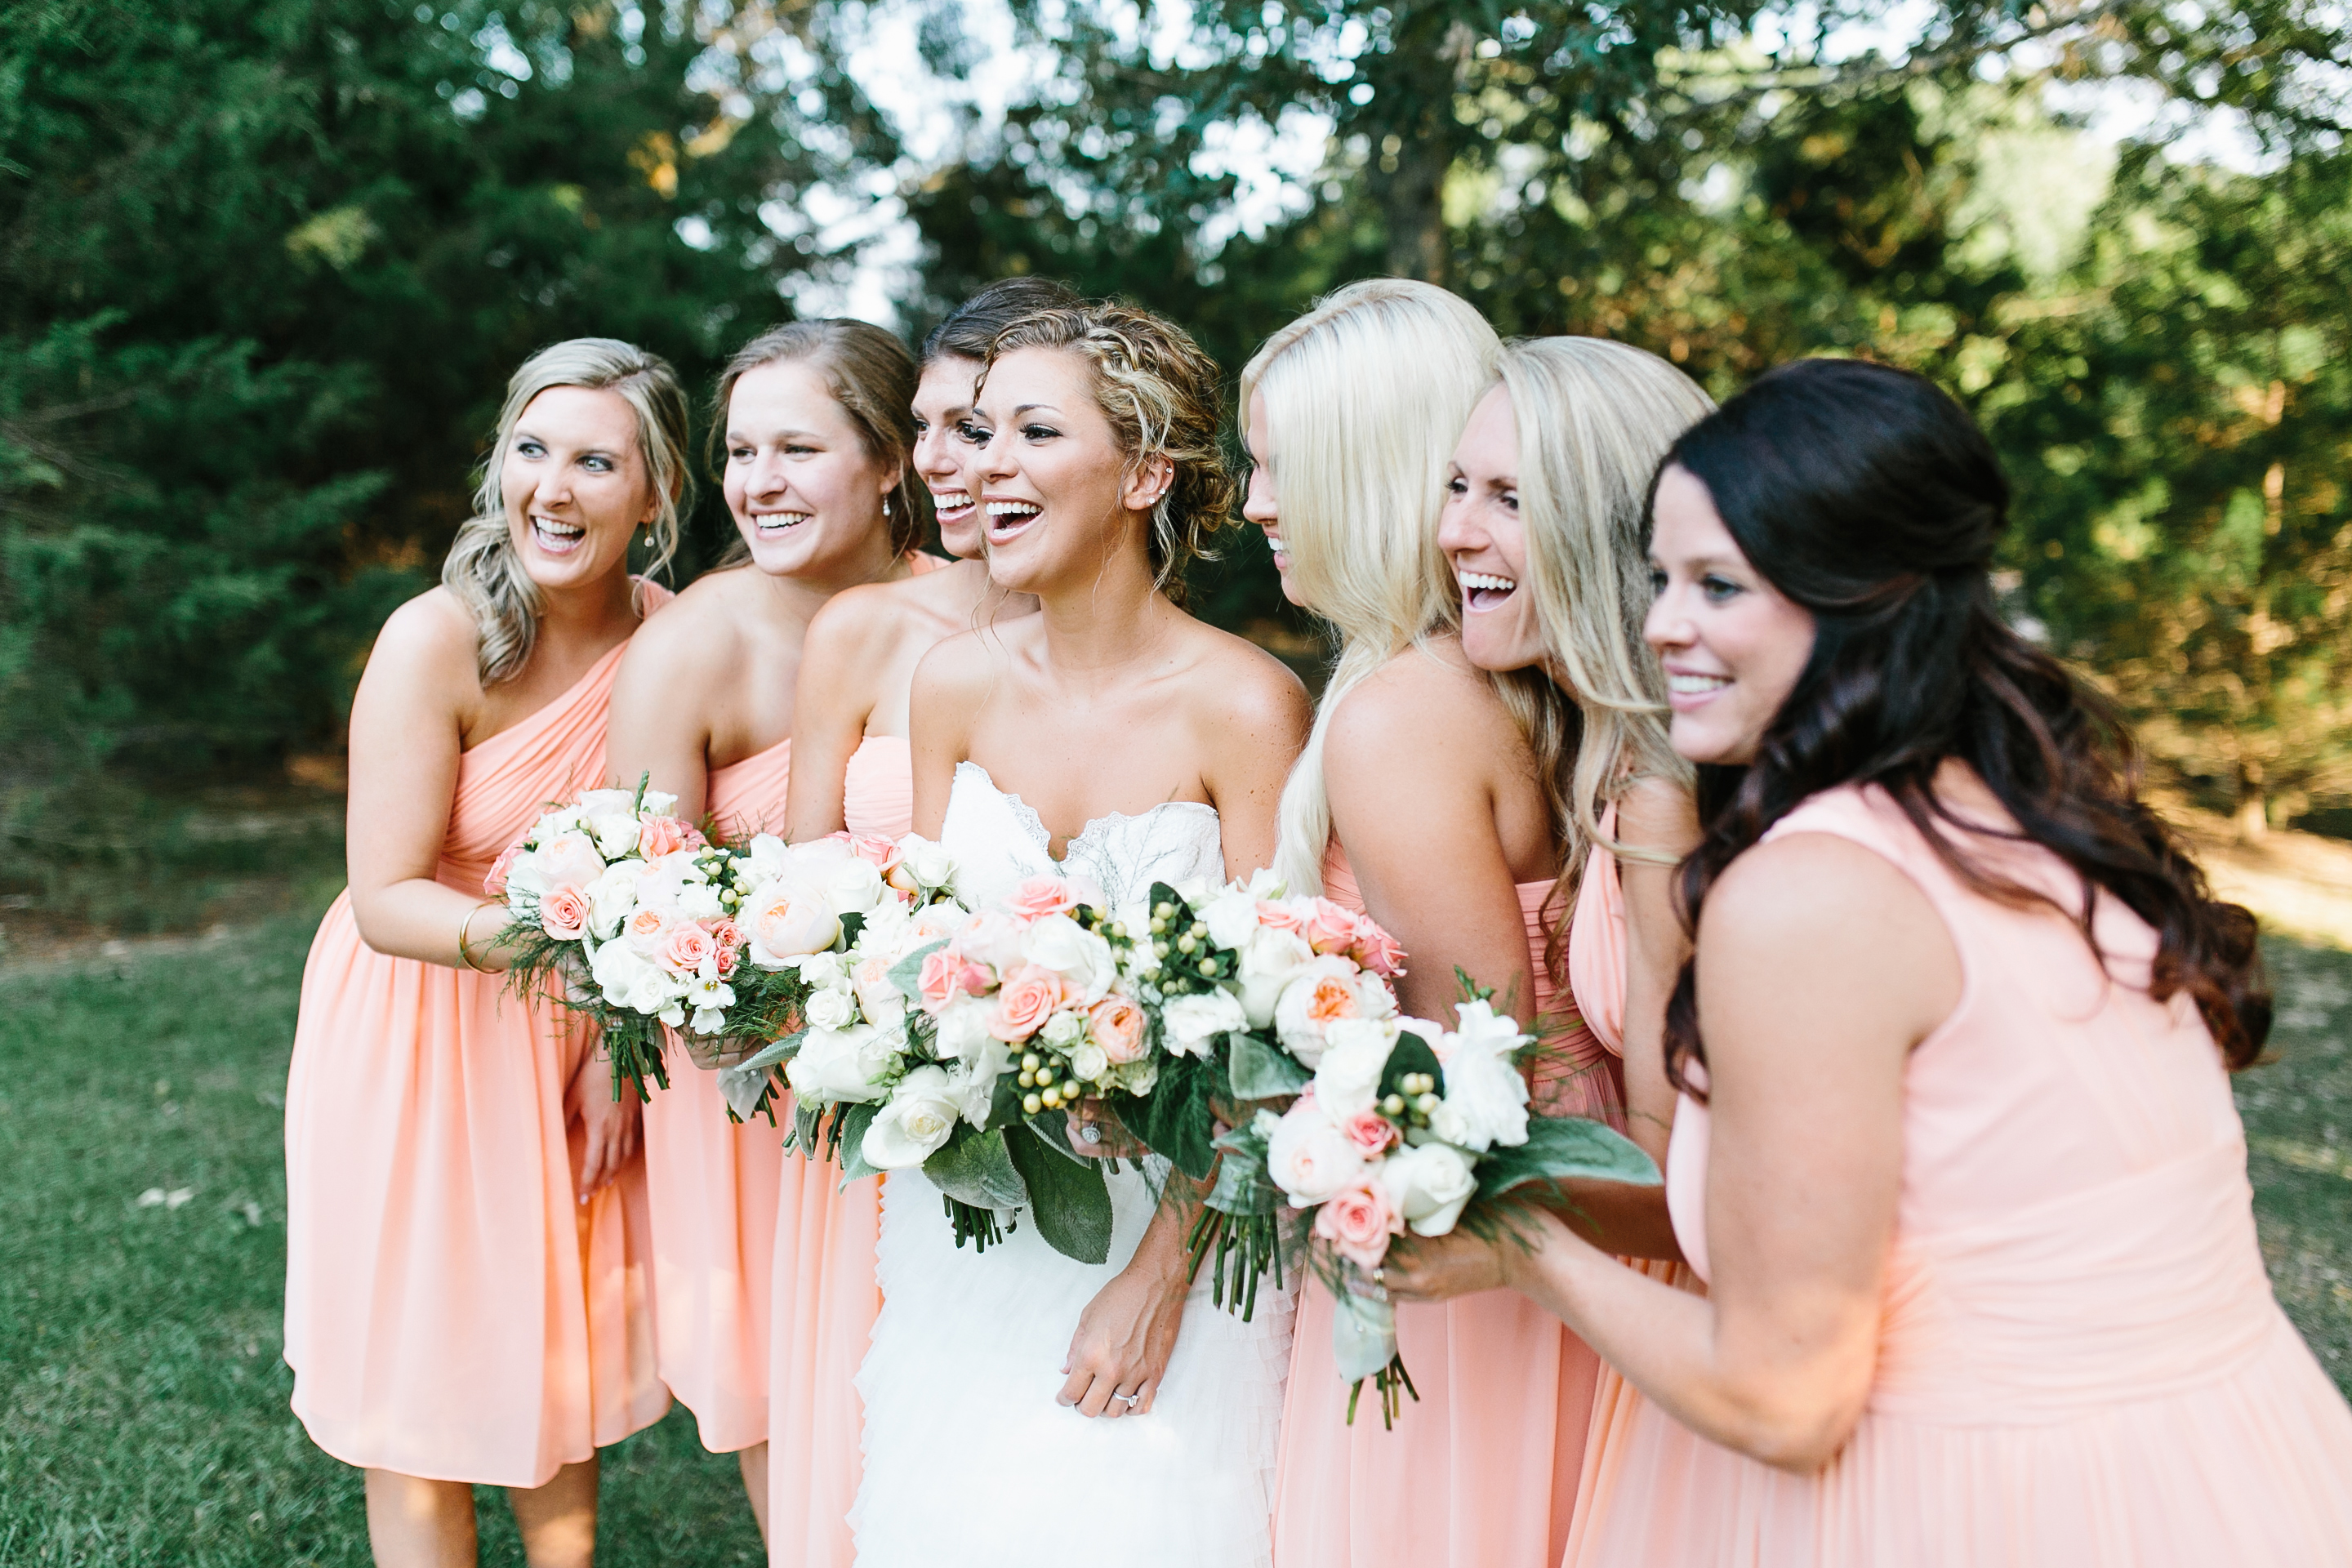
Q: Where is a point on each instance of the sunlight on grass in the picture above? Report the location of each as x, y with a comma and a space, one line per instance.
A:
142, 1258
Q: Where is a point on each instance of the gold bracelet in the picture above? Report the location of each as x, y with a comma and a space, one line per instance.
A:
461, 939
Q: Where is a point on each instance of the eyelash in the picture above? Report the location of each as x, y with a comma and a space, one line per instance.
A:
1038, 432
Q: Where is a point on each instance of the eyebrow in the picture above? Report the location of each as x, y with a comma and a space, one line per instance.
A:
1030, 407
522, 434
733, 437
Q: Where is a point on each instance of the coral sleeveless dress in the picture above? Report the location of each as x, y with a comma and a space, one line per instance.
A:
452, 1310
1597, 957
1481, 1471
2079, 1361
825, 1298
712, 1187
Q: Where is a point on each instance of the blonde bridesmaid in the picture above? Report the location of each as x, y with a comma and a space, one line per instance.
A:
1544, 514
1954, 1145
810, 431
467, 1278
1429, 796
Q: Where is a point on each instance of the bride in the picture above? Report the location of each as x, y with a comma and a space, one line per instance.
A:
1021, 1406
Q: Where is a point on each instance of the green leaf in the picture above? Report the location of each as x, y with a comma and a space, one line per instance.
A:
1262, 1070
1562, 1148
1412, 1055
1053, 1129
806, 1129
1178, 1118
851, 924
1069, 1203
907, 972
854, 1120
972, 1167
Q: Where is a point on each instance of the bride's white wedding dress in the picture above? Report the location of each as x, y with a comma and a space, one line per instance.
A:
969, 1462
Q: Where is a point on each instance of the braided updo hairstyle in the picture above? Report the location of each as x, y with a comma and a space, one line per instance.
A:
1161, 395
1869, 497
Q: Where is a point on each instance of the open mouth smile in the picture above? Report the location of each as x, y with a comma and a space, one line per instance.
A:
951, 505
772, 524
1008, 519
1483, 591
556, 538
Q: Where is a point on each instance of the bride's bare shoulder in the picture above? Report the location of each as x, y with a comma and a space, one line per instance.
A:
1233, 682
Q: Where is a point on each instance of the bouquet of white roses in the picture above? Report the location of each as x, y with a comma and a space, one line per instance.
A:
1405, 1125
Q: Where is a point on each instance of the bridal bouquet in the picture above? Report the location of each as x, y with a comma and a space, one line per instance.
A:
1241, 985
625, 913
1405, 1125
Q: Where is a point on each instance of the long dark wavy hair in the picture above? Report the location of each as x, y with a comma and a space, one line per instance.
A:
1869, 497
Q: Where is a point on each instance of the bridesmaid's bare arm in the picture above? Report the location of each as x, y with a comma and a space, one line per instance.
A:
408, 720
848, 646
661, 721
950, 684
1661, 816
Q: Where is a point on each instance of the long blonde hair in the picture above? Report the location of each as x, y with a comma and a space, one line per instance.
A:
1365, 396
1594, 419
482, 569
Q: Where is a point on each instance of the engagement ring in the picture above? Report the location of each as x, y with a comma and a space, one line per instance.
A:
1090, 1133
1129, 1400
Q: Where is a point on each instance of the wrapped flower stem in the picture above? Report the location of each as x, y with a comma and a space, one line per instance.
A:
1363, 1342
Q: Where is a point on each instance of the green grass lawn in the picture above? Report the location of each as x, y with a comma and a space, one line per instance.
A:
145, 1406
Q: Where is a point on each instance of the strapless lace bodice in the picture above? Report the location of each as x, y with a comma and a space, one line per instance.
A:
999, 842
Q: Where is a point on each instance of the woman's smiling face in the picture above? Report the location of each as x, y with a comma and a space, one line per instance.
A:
1732, 644
804, 493
1258, 501
944, 454
1485, 537
575, 486
1057, 493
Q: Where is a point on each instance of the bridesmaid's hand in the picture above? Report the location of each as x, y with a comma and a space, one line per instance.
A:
1111, 1140
613, 1126
1126, 1336
1440, 1268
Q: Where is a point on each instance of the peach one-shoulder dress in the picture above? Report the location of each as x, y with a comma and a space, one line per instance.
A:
1480, 1473
825, 1298
712, 1185
2079, 1361
1598, 952
452, 1310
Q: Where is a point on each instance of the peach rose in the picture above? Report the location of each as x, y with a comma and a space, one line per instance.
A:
1329, 927
1030, 995
660, 835
1116, 1025
495, 884
1370, 1131
563, 914
876, 852
567, 860
1040, 896
947, 974
1278, 916
645, 929
1375, 948
1358, 1221
688, 949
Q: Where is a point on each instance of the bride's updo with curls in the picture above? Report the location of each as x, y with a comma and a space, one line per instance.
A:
1160, 393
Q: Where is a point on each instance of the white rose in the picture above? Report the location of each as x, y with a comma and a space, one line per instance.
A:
854, 886
1326, 990
629, 979
699, 901
768, 857
1079, 956
609, 818
1269, 962
1193, 1023
993, 937
1428, 1186
962, 1036
921, 1112
870, 976
831, 1009
1230, 918
787, 917
563, 860
1089, 1062
935, 922
824, 969
974, 1090
1485, 1098
929, 864
1355, 1055
842, 1064
611, 897
1064, 1027
1310, 1158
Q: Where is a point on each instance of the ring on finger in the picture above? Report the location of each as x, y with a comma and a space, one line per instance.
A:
1129, 1400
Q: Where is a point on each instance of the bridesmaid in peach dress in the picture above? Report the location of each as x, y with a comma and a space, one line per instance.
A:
467, 1279
813, 429
1955, 1147
1546, 505
1421, 799
849, 727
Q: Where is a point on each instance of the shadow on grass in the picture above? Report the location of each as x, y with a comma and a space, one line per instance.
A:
147, 1419
146, 1402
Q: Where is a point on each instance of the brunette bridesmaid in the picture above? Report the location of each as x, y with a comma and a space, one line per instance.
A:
810, 430
1955, 1147
849, 733
1543, 526
466, 1299
1430, 796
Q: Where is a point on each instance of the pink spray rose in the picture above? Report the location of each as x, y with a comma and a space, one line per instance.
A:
1040, 896
1278, 916
563, 914
660, 835
1030, 995
495, 884
1359, 1223
689, 947
726, 937
947, 974
1330, 927
876, 851
1370, 1131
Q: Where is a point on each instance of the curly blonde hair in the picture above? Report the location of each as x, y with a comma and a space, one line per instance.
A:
482, 569
1161, 395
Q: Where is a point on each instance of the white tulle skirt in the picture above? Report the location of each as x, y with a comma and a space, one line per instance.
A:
968, 1459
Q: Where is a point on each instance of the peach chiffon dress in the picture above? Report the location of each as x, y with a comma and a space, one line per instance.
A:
825, 1298
452, 1310
2079, 1362
1597, 956
1480, 1473
713, 1188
